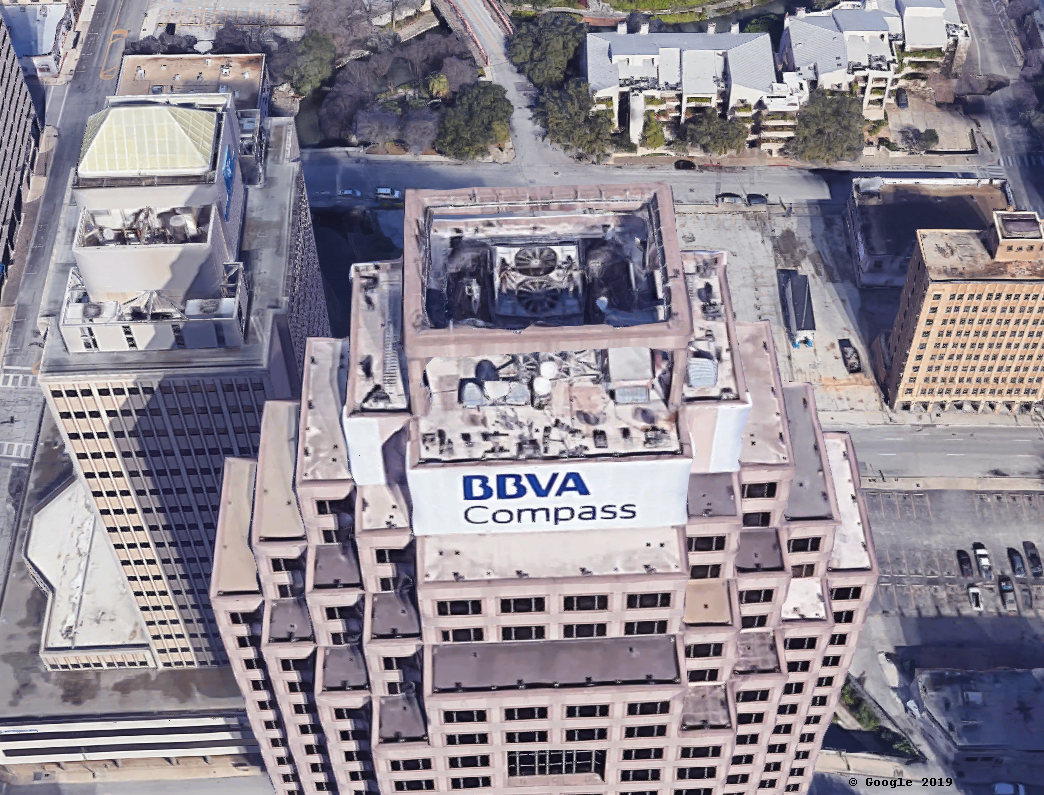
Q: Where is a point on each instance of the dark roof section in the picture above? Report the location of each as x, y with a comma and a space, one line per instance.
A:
808, 497
796, 298
344, 668
712, 495
555, 663
402, 718
336, 566
394, 616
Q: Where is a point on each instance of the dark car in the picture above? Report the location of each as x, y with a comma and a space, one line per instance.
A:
684, 165
902, 99
1018, 568
1036, 569
964, 561
756, 199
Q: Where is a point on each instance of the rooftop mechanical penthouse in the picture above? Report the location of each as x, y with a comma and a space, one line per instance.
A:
547, 522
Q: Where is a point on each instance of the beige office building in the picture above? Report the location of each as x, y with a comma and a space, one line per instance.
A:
182, 306
968, 332
547, 522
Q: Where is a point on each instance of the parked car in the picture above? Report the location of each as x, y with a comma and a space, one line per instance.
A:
684, 165
975, 597
1018, 568
754, 199
965, 564
728, 198
982, 560
350, 192
1007, 593
387, 193
1027, 597
1036, 569
902, 99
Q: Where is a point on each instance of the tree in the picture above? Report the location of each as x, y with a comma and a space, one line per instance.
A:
232, 40
478, 117
917, 141
376, 125
929, 139
458, 73
165, 44
347, 22
566, 115
438, 86
337, 113
419, 128
652, 132
716, 135
543, 47
314, 65
829, 128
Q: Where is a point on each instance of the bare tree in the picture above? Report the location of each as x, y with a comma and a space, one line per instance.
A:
347, 21
376, 125
458, 73
419, 129
338, 111
232, 40
358, 73
381, 62
418, 56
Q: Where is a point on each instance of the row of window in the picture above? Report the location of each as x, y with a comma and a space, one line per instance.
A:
538, 604
478, 634
541, 713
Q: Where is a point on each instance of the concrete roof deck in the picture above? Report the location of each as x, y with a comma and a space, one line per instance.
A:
706, 707
33, 28
323, 453
401, 718
759, 550
851, 544
713, 337
375, 377
766, 435
510, 556
288, 621
277, 516
809, 494
239, 75
235, 568
707, 602
344, 668
756, 652
712, 494
804, 599
381, 508
960, 255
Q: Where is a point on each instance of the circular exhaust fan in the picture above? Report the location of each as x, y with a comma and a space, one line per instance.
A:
536, 261
538, 296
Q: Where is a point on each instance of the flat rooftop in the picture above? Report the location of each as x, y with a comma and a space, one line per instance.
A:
766, 437
890, 212
986, 710
510, 556
804, 599
851, 550
756, 652
710, 365
239, 75
277, 516
375, 381
809, 498
323, 454
235, 568
707, 602
959, 255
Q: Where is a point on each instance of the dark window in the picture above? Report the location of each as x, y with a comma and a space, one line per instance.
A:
706, 543
468, 635
417, 785
737, 778
799, 643
636, 754
695, 650
533, 604
478, 760
803, 544
646, 774
467, 739
783, 728
808, 737
522, 633
752, 695
555, 763
588, 711
702, 751
649, 708
812, 720
759, 491
803, 570
584, 631
746, 739
747, 718
642, 600
704, 675
470, 782
705, 572
844, 617
802, 754
825, 681
743, 759
690, 773
585, 602
819, 701
787, 709
777, 748
752, 622
767, 783
398, 765
831, 661
631, 732
793, 688
840, 594
460, 607
838, 639
464, 716
585, 735
798, 666
757, 519
525, 713
526, 737
645, 627
756, 596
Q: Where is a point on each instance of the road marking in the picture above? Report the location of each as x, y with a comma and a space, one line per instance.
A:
888, 454
110, 72
955, 454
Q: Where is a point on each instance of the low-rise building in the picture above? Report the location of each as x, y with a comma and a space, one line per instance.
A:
968, 332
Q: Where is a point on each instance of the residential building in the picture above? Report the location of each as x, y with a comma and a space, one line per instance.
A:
547, 519
970, 318
181, 308
884, 214
676, 75
980, 723
18, 147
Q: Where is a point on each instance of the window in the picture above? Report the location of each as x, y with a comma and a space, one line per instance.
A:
555, 763
777, 748
793, 788
759, 491
753, 622
467, 739
809, 737
831, 661
334, 613
803, 545
692, 773
464, 716
705, 572
813, 720
825, 681
793, 688
694, 791
460, 607
798, 666
747, 739
844, 617
757, 519
588, 711
752, 695
743, 759
783, 728
640, 774
399, 765
747, 718
583, 631
706, 543
792, 644
696, 650
704, 675
585, 602
838, 639
522, 633
802, 754
526, 737
737, 778
702, 751
478, 760
773, 767
635, 754
767, 783
585, 735
756, 596
530, 604
468, 635
839, 594
649, 708
470, 782
631, 732
525, 713
819, 701
787, 709
643, 600
416, 785
645, 627
803, 570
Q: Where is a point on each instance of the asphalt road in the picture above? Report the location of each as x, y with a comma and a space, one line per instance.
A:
903, 451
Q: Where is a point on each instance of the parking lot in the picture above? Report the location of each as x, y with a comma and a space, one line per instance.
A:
917, 535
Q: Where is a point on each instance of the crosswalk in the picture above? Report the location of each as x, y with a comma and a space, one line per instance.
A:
1022, 160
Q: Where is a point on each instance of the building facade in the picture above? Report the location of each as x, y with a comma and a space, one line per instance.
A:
182, 307
966, 335
17, 149
548, 518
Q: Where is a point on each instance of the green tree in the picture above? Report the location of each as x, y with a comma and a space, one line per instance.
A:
829, 128
314, 63
652, 132
566, 115
929, 139
478, 117
438, 86
543, 47
716, 135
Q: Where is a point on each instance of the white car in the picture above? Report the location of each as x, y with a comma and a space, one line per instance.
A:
975, 597
350, 192
387, 193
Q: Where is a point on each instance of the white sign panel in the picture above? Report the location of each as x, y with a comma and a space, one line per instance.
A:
563, 495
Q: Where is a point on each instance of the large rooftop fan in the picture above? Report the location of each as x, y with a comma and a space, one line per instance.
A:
536, 261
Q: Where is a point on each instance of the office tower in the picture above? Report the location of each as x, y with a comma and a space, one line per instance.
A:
967, 333
183, 307
548, 521
17, 149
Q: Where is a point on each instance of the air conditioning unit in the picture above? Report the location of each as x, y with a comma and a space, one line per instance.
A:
532, 283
